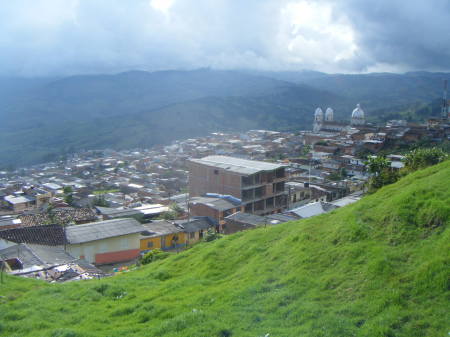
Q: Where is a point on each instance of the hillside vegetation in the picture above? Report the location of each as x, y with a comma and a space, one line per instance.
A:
378, 267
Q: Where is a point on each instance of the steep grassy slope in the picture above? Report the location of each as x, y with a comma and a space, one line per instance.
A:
376, 268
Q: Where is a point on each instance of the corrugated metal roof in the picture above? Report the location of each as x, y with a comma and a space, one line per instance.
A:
237, 165
18, 200
312, 209
158, 228
102, 230
219, 204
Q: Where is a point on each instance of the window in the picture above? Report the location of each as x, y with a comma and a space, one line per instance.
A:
216, 171
149, 244
192, 235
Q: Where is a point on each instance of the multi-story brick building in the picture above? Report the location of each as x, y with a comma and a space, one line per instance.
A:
259, 185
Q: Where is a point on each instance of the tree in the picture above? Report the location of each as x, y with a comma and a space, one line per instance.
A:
382, 174
176, 208
376, 165
68, 194
423, 157
169, 215
100, 201
306, 149
212, 235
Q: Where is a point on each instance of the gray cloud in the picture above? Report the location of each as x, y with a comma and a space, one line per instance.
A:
49, 37
410, 35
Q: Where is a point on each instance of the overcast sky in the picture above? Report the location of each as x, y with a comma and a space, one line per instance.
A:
62, 37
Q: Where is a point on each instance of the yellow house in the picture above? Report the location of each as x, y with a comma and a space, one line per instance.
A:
163, 235
196, 228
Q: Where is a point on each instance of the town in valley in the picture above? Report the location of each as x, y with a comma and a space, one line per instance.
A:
96, 212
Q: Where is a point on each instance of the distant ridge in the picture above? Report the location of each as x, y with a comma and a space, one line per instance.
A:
42, 119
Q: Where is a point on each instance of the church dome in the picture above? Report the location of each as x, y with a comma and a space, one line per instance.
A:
358, 112
358, 117
329, 114
318, 112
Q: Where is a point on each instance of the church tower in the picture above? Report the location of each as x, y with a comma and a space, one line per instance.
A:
329, 115
318, 120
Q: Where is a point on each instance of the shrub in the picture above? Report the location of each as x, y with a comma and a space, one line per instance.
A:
421, 158
153, 255
211, 235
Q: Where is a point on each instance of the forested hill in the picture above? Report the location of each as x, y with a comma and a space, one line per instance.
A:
46, 117
375, 268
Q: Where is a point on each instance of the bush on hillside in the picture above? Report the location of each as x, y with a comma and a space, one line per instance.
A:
422, 157
382, 174
211, 235
153, 255
381, 171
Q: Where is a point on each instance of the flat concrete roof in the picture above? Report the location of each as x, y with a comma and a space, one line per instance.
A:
237, 165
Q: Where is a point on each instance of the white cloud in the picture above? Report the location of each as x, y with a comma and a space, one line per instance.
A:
162, 5
43, 37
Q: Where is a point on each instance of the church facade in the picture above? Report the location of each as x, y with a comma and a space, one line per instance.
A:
325, 121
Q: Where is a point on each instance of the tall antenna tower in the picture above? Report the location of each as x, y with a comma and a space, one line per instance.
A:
445, 109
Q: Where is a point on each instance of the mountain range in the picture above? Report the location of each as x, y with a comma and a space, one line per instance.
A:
44, 118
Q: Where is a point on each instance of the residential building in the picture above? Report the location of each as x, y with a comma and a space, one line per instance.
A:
217, 207
106, 241
197, 228
20, 203
163, 235
259, 185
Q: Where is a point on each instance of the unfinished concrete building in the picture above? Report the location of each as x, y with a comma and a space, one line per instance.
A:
259, 185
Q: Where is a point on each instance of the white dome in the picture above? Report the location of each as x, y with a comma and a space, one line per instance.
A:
358, 112
318, 112
358, 117
329, 114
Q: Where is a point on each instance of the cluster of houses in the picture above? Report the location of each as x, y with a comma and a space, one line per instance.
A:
63, 221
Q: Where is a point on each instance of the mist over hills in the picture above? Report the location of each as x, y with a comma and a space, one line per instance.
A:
44, 118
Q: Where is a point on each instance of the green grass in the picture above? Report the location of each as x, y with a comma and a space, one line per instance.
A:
378, 267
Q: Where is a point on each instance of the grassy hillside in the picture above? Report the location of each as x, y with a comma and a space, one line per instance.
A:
376, 268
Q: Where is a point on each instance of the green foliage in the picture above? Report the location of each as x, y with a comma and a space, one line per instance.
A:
169, 215
322, 143
67, 190
153, 255
68, 194
423, 157
100, 192
378, 267
306, 149
176, 208
336, 176
381, 171
212, 235
377, 164
100, 200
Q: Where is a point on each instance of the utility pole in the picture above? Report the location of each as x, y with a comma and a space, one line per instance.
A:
445, 110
